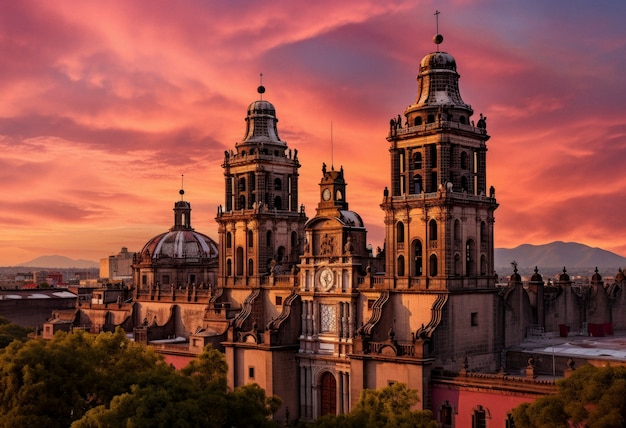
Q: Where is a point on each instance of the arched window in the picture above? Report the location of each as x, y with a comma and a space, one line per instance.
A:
457, 232
432, 230
464, 158
229, 267
433, 265
479, 418
242, 184
417, 184
239, 261
418, 121
278, 203
399, 232
445, 415
294, 241
417, 160
483, 264
278, 184
328, 394
457, 264
250, 267
268, 238
280, 254
483, 233
250, 239
229, 240
417, 258
400, 265
470, 249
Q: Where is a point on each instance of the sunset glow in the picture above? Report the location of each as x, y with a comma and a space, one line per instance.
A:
103, 105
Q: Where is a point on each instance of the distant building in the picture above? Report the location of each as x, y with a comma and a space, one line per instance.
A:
118, 267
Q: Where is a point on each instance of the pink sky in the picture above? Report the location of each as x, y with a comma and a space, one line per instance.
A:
103, 105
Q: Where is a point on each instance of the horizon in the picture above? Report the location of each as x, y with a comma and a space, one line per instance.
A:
100, 118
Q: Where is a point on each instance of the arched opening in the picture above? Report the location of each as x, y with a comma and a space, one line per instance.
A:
417, 184
239, 261
430, 118
417, 258
433, 265
400, 265
229, 267
464, 160
242, 184
250, 239
278, 203
417, 160
470, 251
328, 394
268, 238
457, 264
483, 233
432, 230
399, 232
280, 254
294, 241
418, 121
229, 240
457, 232
250, 267
464, 184
483, 264
462, 120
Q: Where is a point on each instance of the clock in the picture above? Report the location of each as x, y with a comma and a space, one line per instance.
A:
327, 278
326, 194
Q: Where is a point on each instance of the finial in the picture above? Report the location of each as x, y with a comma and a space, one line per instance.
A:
438, 38
182, 182
261, 88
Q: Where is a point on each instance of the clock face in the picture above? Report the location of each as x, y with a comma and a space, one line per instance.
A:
326, 194
327, 278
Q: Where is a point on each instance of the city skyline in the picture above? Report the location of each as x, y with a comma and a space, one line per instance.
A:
100, 117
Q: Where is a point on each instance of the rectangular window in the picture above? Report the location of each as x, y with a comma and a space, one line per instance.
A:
279, 300
474, 319
370, 303
251, 372
165, 279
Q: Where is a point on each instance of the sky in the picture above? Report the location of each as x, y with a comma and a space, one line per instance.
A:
104, 106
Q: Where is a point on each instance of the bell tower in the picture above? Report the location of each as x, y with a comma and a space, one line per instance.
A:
261, 224
439, 214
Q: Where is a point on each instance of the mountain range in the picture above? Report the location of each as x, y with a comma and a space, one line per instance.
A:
554, 255
60, 262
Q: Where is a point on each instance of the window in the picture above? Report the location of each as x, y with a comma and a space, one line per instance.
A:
242, 184
250, 267
400, 232
370, 303
268, 238
278, 184
433, 265
464, 160
432, 229
479, 418
239, 261
251, 372
445, 415
400, 265
165, 279
229, 267
417, 248
474, 319
242, 202
229, 240
469, 258
278, 203
417, 160
250, 239
279, 300
417, 184
433, 155
418, 121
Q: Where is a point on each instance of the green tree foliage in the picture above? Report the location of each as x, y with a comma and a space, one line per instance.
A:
10, 332
590, 397
82, 380
386, 407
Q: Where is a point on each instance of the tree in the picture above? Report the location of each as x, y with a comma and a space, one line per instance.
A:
591, 396
10, 332
386, 407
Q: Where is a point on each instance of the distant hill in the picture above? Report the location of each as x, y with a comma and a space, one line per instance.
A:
60, 262
557, 254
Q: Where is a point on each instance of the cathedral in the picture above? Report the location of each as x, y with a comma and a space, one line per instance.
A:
302, 307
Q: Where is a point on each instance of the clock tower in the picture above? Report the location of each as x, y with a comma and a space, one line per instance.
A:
333, 265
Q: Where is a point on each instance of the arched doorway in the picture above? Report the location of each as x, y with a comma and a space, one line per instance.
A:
328, 397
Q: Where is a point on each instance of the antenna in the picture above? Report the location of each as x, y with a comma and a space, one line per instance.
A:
332, 162
182, 185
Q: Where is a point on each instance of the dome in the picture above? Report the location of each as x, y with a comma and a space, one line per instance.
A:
180, 244
438, 61
536, 276
564, 277
261, 107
